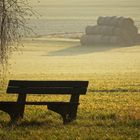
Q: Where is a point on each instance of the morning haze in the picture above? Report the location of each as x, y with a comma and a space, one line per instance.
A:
111, 107
81, 2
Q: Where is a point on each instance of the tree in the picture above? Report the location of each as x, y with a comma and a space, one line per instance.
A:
13, 18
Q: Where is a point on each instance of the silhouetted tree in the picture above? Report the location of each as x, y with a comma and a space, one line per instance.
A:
13, 17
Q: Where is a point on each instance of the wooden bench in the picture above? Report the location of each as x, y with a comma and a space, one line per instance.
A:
67, 110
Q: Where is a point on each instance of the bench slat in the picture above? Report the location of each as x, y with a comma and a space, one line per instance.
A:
36, 103
22, 83
49, 103
46, 90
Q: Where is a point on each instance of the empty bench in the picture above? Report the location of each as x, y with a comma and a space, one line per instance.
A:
68, 110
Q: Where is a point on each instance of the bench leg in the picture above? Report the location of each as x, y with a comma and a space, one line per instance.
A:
64, 110
13, 109
74, 99
73, 112
22, 99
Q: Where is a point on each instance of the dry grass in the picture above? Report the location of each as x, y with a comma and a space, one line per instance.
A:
111, 108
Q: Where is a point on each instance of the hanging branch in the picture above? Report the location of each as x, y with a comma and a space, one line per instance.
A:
13, 19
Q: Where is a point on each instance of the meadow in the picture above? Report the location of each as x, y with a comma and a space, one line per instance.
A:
109, 111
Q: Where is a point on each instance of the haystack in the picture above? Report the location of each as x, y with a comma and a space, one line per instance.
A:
115, 21
111, 30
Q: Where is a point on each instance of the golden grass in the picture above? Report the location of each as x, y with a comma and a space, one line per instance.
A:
110, 109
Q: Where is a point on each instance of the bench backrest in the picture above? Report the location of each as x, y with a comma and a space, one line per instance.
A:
47, 87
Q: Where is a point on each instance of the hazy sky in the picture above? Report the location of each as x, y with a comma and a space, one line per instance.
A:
84, 2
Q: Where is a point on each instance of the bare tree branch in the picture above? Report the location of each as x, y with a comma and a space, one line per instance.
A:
13, 19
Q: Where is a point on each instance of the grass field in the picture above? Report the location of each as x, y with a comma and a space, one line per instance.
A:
109, 111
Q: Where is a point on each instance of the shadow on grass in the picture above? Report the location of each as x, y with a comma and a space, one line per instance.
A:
78, 50
97, 121
115, 90
26, 124
35, 123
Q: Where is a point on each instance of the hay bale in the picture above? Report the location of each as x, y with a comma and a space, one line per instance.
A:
101, 39
115, 21
117, 31
123, 34
105, 39
92, 30
107, 30
123, 22
137, 39
132, 31
104, 30
116, 40
113, 40
128, 34
86, 40
91, 39
102, 20
111, 30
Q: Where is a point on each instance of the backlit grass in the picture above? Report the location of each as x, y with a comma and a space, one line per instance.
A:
109, 111
103, 114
